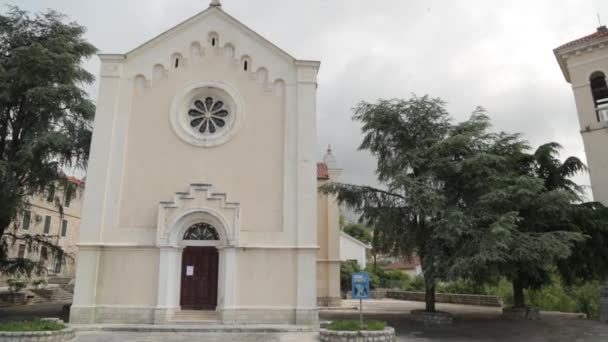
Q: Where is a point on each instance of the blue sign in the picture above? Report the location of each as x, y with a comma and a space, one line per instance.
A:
360, 285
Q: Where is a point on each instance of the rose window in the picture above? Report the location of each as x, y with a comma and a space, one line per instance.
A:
208, 116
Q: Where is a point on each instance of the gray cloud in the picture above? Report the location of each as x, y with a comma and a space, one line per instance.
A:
495, 54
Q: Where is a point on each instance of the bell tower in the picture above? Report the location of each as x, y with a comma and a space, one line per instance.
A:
584, 63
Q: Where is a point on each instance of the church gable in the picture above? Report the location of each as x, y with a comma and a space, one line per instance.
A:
211, 31
216, 113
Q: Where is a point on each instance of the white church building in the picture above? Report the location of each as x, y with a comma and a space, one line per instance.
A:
201, 192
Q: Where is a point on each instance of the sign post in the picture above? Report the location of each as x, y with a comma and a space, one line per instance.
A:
360, 291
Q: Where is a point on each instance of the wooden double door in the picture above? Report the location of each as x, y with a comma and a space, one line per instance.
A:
199, 278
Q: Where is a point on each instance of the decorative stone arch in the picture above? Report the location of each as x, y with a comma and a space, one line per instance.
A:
199, 205
190, 217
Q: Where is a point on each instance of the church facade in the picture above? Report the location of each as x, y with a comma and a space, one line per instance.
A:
202, 184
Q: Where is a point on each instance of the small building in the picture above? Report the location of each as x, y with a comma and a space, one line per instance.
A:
410, 266
353, 249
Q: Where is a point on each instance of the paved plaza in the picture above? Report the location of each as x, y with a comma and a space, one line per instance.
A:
471, 324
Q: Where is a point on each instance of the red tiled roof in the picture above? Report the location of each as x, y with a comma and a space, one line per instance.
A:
75, 180
404, 264
322, 171
601, 32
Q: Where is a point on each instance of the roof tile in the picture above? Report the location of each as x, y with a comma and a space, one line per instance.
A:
322, 171
601, 32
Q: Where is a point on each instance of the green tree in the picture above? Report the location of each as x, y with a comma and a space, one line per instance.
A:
421, 208
542, 198
347, 268
359, 232
45, 116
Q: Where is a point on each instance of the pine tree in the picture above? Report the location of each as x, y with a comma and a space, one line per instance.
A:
45, 115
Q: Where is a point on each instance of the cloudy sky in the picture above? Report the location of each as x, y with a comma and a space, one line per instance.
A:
497, 54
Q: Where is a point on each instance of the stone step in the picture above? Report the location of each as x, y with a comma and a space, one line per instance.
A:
194, 328
195, 316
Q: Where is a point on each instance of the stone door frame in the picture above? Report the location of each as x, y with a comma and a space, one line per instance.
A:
170, 263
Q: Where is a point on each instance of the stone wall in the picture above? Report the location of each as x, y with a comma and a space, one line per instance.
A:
464, 299
38, 336
386, 335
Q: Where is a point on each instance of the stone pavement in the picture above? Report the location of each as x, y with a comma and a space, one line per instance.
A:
471, 324
475, 324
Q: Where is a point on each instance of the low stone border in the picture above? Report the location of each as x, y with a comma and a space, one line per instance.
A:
38, 336
386, 335
450, 298
437, 317
521, 314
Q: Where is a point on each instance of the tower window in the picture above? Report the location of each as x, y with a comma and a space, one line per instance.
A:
176, 63
245, 65
212, 41
599, 90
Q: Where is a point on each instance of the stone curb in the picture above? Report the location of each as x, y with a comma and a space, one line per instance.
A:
192, 328
38, 336
386, 335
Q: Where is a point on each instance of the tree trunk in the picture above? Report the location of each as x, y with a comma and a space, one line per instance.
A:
4, 223
429, 298
375, 256
518, 294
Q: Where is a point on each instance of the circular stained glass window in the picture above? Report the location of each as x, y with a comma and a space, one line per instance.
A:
208, 115
205, 115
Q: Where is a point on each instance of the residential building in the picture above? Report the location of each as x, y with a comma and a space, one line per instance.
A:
42, 216
410, 266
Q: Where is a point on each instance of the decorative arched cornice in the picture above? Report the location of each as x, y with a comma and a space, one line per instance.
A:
199, 204
195, 51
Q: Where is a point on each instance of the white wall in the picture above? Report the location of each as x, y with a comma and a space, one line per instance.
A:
352, 249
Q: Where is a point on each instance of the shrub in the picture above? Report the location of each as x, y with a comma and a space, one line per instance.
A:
16, 284
417, 284
461, 287
39, 283
354, 326
32, 326
347, 268
587, 299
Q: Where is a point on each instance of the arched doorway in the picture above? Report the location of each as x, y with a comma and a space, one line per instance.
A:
200, 264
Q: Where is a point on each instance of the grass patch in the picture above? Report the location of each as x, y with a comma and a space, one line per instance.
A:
354, 326
32, 326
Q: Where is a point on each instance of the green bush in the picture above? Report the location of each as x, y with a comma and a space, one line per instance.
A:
16, 284
461, 287
32, 326
587, 299
39, 283
375, 276
354, 326
417, 284
347, 268
582, 298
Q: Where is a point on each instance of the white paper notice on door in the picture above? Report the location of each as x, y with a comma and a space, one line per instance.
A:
189, 271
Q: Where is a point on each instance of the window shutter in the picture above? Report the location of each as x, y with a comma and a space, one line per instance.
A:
64, 228
47, 224
27, 216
